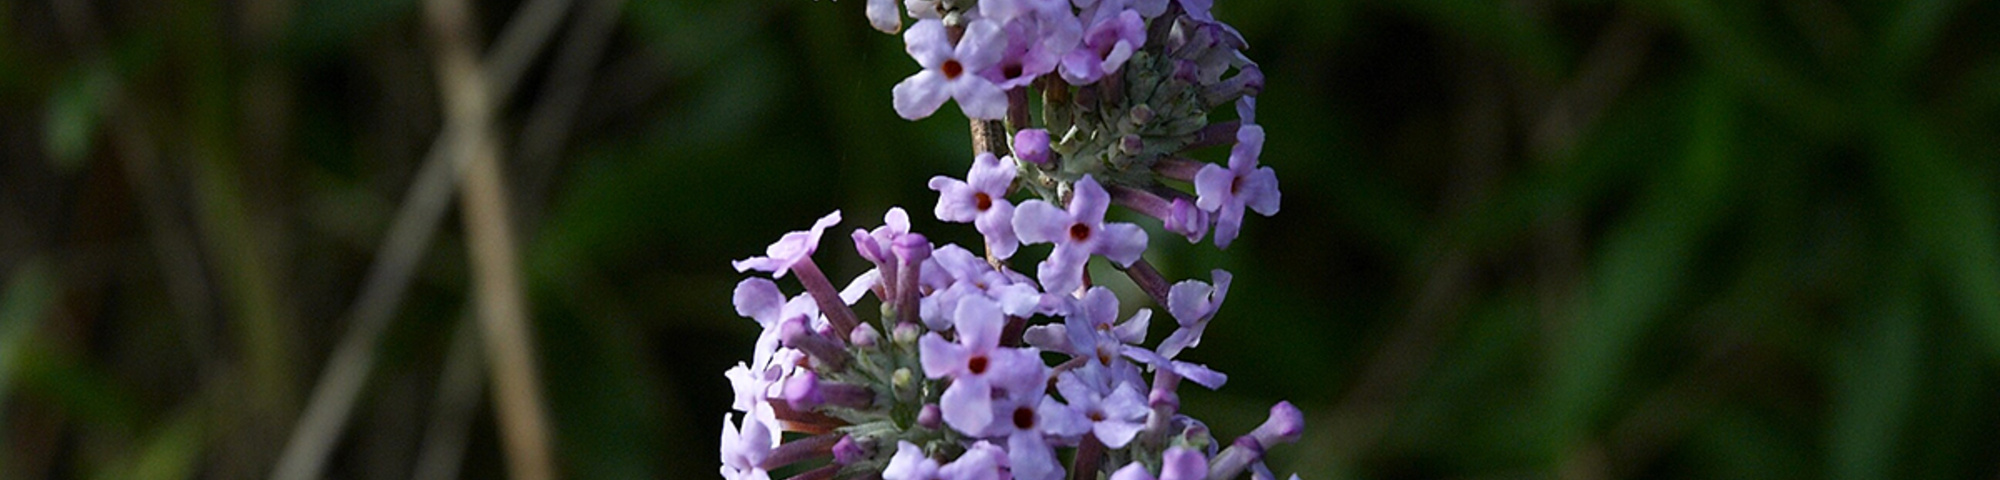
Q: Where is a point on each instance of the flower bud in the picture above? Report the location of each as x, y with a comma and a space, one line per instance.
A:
864, 336
930, 417
906, 333
847, 451
1031, 145
1141, 114
1284, 425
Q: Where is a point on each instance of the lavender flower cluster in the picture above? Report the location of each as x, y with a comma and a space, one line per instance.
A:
972, 370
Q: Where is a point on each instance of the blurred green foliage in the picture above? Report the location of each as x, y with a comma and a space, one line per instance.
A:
1524, 238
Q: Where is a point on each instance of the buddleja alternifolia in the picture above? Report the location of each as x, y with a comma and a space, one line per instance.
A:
951, 379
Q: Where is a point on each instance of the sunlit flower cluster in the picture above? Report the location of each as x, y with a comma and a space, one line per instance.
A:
968, 369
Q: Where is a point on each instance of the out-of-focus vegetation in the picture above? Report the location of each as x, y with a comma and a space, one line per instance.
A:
1520, 238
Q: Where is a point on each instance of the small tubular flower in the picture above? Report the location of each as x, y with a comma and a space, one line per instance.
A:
976, 364
1107, 43
951, 71
744, 450
1078, 233
789, 250
982, 200
1193, 304
1226, 191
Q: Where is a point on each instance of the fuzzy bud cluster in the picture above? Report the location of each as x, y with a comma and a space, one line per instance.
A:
966, 369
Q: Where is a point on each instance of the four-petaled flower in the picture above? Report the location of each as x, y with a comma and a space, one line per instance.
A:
1114, 418
1193, 304
982, 199
1180, 463
1226, 191
951, 71
981, 462
789, 250
1027, 421
1078, 233
977, 365
743, 451
1110, 40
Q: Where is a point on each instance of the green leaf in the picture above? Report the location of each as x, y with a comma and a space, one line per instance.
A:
1910, 32
172, 452
1874, 378
1643, 264
29, 292
74, 111
1947, 214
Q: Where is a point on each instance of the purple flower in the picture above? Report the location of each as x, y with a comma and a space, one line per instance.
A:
789, 250
952, 71
977, 365
1199, 9
1026, 422
910, 463
1107, 44
1093, 329
1180, 463
1009, 10
1114, 418
982, 200
956, 273
1035, 46
760, 300
743, 451
1199, 374
1193, 304
877, 246
1227, 191
1077, 233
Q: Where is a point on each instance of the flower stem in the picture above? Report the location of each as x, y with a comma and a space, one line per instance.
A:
828, 298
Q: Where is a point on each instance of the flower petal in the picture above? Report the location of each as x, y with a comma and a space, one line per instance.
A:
1089, 201
1037, 221
956, 202
968, 406
940, 357
884, 16
997, 224
981, 46
1123, 243
1211, 187
920, 95
1263, 191
927, 42
759, 299
1182, 463
979, 97
979, 322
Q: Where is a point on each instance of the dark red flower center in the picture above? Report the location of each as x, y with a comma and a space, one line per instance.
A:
1079, 232
1235, 185
1024, 418
976, 365
982, 201
1012, 69
952, 69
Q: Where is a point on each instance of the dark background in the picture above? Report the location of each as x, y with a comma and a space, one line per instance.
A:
1520, 239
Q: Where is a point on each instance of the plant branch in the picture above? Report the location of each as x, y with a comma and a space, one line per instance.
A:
403, 247
497, 290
